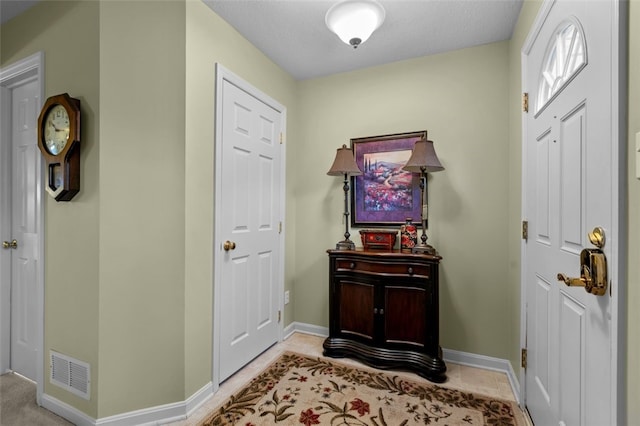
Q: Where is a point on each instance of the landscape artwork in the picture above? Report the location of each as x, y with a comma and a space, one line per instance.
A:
386, 186
385, 195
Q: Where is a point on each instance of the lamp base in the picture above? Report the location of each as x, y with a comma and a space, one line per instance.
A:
346, 245
423, 249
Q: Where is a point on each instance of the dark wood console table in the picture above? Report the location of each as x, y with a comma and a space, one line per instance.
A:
383, 310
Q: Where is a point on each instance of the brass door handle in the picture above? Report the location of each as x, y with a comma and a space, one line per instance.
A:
593, 267
13, 244
571, 282
229, 245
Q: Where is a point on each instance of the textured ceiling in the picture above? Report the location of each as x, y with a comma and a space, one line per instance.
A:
293, 33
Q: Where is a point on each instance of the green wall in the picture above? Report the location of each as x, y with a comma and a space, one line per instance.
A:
71, 229
137, 302
211, 40
461, 99
142, 217
129, 266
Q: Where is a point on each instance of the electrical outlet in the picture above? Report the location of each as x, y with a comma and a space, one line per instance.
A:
286, 297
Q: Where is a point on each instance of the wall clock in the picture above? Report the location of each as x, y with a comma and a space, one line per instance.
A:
59, 142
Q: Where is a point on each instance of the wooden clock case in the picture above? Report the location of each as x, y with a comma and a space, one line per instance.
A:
62, 169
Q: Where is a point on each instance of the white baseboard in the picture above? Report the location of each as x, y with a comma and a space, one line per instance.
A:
305, 328
149, 416
66, 411
196, 400
181, 410
486, 362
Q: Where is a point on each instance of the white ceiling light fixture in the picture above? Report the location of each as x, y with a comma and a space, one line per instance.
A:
355, 20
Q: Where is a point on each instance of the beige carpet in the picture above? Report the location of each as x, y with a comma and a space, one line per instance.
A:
298, 389
18, 404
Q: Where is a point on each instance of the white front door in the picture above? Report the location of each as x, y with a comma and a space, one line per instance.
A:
248, 224
570, 188
20, 223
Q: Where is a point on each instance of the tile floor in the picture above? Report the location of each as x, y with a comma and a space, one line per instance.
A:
458, 376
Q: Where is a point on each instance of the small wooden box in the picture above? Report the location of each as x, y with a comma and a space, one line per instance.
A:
378, 239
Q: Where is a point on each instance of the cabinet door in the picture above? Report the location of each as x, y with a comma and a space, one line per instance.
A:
405, 316
356, 305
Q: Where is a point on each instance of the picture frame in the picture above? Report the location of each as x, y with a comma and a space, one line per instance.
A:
385, 195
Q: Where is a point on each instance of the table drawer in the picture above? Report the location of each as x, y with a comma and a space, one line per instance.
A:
388, 268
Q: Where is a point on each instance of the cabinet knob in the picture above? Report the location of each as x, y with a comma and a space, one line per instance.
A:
410, 270
352, 265
375, 311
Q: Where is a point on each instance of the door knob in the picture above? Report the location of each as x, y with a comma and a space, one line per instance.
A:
593, 267
13, 244
229, 245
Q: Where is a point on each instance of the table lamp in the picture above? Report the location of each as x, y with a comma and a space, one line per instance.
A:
345, 164
423, 160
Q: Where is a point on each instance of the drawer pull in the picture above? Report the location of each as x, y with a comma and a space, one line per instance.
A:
410, 270
352, 265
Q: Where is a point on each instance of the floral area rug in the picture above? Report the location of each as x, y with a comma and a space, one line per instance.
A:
302, 390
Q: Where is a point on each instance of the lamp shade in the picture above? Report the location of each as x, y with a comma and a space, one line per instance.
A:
355, 20
423, 158
344, 163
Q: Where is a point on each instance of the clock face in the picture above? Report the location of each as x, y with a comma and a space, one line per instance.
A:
56, 129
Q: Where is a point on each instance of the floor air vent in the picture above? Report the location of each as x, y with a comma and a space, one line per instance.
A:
70, 374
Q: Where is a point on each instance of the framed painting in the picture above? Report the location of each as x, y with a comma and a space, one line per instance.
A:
385, 195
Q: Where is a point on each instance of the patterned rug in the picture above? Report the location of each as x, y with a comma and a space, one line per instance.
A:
302, 390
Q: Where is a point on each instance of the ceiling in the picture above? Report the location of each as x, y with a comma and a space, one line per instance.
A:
11, 8
292, 33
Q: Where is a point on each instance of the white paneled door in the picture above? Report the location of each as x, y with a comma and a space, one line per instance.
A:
20, 232
249, 229
570, 189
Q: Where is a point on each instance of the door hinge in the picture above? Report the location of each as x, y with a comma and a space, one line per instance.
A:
279, 316
523, 359
280, 228
281, 138
525, 230
525, 102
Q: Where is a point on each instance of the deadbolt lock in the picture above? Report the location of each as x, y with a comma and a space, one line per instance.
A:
593, 267
596, 237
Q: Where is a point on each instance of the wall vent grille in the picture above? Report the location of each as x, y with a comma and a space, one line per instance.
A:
70, 374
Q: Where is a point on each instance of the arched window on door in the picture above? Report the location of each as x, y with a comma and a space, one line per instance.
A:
566, 56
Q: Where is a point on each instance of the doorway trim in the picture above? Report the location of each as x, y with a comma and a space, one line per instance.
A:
618, 235
28, 69
223, 74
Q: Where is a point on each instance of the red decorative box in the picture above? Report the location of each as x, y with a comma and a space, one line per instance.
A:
378, 239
